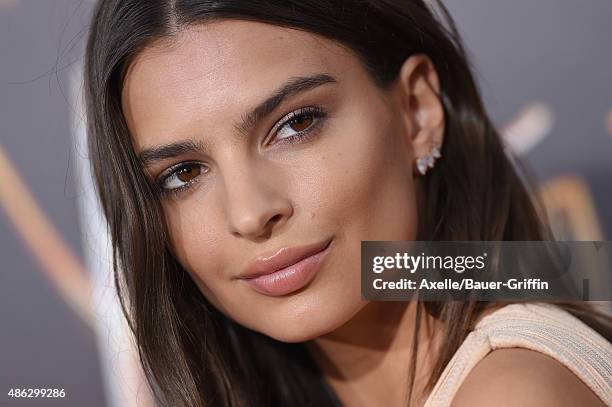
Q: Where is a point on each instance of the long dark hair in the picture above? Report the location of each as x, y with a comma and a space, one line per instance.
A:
191, 353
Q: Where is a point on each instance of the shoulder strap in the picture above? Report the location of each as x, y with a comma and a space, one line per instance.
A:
540, 327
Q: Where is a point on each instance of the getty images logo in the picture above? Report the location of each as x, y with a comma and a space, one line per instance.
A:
411, 263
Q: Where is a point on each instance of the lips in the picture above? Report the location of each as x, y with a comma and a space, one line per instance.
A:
286, 270
284, 257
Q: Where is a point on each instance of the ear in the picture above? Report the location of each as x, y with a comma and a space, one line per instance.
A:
418, 90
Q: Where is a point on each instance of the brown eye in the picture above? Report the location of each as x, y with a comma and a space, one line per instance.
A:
188, 172
301, 123
181, 176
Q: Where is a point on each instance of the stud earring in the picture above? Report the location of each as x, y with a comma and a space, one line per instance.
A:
425, 163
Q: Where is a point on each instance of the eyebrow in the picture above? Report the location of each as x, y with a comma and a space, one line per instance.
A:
291, 87
153, 154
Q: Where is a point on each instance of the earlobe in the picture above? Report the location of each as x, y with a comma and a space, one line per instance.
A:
419, 89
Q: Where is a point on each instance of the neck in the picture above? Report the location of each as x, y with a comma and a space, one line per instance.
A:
367, 360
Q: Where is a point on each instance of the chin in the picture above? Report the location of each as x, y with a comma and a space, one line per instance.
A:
311, 323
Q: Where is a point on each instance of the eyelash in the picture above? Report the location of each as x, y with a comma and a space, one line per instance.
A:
173, 171
316, 112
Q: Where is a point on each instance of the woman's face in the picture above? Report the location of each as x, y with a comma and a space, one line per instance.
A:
242, 186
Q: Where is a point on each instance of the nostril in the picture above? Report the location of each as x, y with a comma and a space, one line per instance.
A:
274, 219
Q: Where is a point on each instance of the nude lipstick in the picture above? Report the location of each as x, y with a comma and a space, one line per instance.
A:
286, 270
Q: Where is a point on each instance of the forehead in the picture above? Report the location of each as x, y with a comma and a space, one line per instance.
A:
214, 72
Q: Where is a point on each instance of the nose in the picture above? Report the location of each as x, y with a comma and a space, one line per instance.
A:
256, 203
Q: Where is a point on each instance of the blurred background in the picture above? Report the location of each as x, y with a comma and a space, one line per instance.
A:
545, 71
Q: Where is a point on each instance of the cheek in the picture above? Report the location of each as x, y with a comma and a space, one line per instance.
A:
198, 242
195, 237
366, 186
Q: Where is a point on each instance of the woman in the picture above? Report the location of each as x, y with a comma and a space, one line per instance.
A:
230, 139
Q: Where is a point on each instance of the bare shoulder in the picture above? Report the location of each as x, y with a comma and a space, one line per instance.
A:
522, 377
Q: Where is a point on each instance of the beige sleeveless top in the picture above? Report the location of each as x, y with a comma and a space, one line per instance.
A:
540, 327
